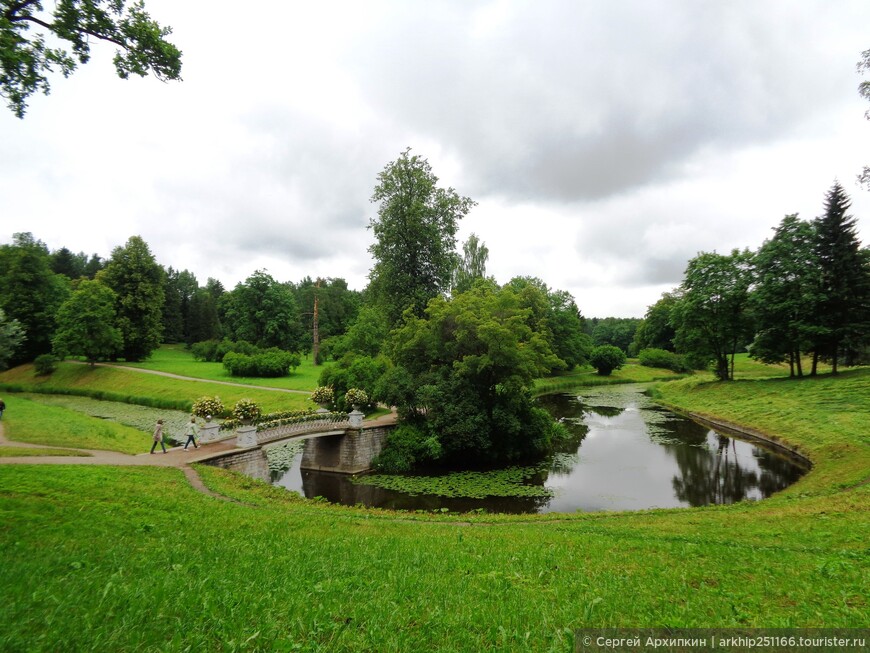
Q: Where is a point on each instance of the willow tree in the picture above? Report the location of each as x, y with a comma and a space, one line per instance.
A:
415, 236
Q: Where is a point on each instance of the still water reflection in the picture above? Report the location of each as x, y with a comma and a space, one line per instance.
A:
624, 453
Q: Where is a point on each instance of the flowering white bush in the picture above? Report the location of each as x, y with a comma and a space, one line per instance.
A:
208, 407
323, 394
356, 397
246, 410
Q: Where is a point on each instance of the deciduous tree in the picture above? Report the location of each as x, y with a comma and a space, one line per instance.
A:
710, 316
137, 281
30, 293
415, 236
786, 272
26, 57
86, 323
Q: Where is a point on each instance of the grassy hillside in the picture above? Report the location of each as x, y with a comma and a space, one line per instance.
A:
135, 559
140, 388
175, 359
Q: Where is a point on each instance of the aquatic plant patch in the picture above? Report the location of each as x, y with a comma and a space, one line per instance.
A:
281, 457
509, 482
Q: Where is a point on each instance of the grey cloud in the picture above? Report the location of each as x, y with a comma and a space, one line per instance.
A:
575, 101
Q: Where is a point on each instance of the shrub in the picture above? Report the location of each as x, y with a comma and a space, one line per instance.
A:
205, 350
266, 363
246, 411
208, 407
406, 447
354, 371
607, 358
664, 359
45, 364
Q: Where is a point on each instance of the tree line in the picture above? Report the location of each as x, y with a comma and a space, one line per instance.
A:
65, 304
803, 295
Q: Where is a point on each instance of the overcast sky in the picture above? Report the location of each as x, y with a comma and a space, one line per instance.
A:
606, 142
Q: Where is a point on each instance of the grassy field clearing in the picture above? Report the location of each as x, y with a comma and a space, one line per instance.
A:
175, 359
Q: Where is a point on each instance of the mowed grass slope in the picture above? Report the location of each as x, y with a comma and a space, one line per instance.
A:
135, 559
138, 387
175, 359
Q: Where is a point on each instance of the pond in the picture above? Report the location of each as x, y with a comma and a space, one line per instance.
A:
624, 453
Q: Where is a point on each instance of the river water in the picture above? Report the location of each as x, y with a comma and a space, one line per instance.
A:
624, 453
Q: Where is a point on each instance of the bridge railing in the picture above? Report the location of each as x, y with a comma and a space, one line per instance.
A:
278, 429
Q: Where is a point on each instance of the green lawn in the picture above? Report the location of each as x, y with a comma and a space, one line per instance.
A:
175, 359
38, 423
18, 452
140, 388
135, 559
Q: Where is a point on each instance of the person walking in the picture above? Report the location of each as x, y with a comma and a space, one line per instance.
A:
191, 433
158, 436
2, 408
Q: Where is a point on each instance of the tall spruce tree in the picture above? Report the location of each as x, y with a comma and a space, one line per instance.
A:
842, 305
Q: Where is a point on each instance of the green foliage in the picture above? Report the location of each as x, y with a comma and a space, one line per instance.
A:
365, 336
472, 265
407, 447
415, 236
786, 273
842, 306
663, 359
353, 371
25, 59
555, 316
30, 293
655, 331
178, 290
264, 312
710, 316
616, 331
45, 364
85, 323
606, 358
268, 363
11, 337
137, 280
464, 372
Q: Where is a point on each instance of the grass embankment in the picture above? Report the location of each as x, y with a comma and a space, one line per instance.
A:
54, 426
175, 359
127, 386
134, 558
21, 452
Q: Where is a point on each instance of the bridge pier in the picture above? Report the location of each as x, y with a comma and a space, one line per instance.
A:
348, 453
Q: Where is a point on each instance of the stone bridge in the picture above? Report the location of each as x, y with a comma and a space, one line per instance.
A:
344, 445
